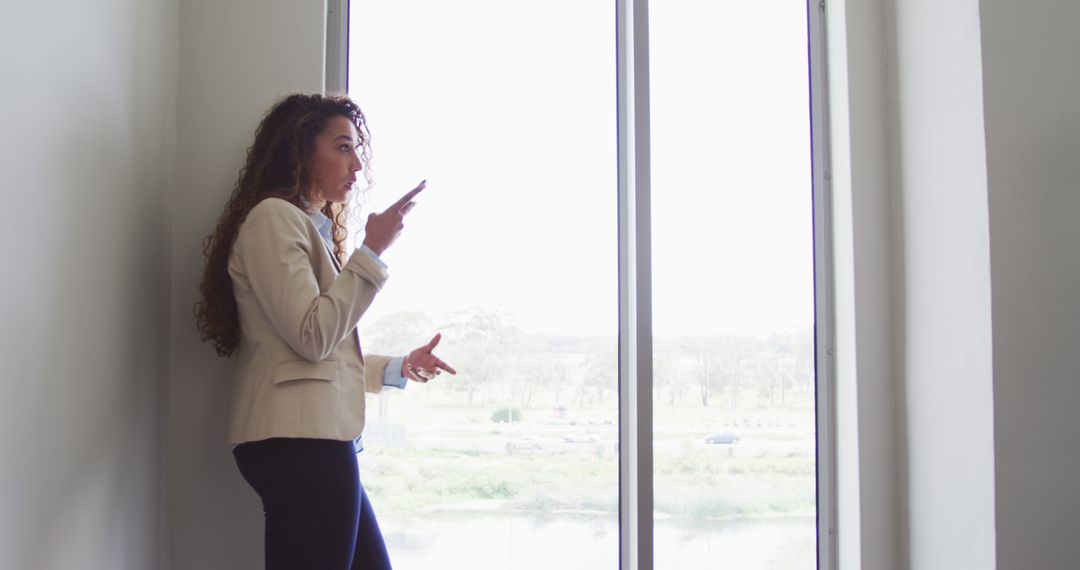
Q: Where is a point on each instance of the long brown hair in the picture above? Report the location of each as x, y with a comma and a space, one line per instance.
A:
278, 165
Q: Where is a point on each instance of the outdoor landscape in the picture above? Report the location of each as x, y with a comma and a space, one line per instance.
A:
522, 446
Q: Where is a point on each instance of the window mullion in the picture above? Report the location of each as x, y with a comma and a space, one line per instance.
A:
635, 289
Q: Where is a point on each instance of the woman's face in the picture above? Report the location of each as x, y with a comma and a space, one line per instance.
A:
336, 160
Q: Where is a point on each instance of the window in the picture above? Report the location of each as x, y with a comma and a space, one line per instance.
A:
565, 142
732, 285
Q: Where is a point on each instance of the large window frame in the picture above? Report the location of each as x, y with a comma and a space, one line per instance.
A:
635, 272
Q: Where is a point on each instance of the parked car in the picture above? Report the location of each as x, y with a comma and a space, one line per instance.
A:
523, 443
725, 437
580, 438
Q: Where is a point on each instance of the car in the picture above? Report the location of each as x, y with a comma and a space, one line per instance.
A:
724, 437
523, 443
580, 438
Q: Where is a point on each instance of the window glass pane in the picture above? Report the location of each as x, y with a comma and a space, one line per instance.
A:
734, 439
508, 110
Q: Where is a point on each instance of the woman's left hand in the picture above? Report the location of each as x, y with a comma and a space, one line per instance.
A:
421, 365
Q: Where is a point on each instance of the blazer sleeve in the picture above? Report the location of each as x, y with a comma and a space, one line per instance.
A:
374, 371
274, 250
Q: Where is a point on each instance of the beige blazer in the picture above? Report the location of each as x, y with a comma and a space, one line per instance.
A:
300, 370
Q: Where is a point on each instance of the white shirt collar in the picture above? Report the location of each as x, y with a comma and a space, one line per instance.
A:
323, 223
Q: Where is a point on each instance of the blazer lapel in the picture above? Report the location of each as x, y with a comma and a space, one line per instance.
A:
333, 258
356, 330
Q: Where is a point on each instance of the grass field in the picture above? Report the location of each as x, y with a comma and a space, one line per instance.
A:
438, 458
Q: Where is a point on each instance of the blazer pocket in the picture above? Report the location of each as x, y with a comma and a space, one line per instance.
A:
305, 370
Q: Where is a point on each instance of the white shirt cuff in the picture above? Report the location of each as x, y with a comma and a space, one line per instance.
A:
392, 375
364, 248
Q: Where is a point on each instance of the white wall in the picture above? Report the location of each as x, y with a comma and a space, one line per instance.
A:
87, 105
236, 58
983, 133
943, 351
1032, 104
866, 399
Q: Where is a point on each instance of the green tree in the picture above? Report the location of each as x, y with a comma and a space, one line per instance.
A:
483, 342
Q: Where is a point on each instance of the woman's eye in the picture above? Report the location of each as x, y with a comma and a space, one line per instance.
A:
344, 148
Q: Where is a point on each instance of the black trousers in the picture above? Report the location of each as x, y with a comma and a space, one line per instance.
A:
318, 516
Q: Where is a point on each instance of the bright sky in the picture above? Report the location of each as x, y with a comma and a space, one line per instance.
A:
508, 110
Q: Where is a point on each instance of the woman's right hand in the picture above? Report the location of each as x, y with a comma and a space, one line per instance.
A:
382, 229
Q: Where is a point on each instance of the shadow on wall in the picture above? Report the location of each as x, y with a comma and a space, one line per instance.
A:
89, 492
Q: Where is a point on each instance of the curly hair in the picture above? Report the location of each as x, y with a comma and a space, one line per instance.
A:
279, 164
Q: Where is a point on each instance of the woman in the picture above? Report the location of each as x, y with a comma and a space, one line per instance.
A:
280, 294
